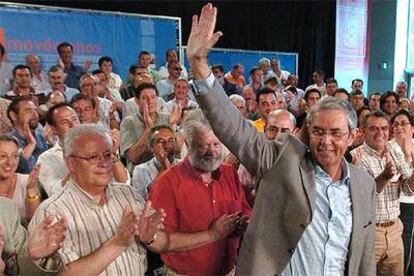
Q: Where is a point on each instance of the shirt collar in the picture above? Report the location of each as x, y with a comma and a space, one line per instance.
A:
371, 151
346, 177
85, 196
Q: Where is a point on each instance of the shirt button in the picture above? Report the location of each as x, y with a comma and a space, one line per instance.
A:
302, 225
291, 250
214, 201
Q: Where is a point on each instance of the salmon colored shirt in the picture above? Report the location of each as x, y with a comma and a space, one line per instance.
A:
192, 206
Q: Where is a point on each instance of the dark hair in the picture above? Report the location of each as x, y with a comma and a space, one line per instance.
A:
103, 59
168, 51
271, 80
156, 128
2, 51
355, 80
386, 95
81, 96
343, 91
374, 94
14, 106
143, 86
64, 44
357, 92
97, 71
217, 66
237, 66
142, 53
254, 69
264, 91
312, 90
21, 67
331, 80
376, 114
404, 112
49, 115
320, 72
359, 112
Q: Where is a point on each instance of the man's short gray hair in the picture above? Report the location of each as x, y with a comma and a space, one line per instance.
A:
234, 98
78, 132
329, 103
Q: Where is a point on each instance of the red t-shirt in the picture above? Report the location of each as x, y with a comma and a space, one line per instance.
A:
192, 206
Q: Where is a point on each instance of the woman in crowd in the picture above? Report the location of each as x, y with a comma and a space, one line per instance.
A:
21, 188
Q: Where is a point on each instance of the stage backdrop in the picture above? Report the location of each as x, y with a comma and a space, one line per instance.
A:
250, 58
31, 29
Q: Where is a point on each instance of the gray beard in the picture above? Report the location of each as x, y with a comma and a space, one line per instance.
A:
205, 164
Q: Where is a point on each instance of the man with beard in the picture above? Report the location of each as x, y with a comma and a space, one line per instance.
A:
205, 206
26, 128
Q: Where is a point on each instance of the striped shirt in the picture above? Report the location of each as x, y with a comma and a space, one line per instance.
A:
388, 201
91, 225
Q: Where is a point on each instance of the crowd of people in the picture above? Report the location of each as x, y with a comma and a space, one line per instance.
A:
201, 172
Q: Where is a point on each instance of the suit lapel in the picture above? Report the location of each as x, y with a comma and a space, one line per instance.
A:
307, 171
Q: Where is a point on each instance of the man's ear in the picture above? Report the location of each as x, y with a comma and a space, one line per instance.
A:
354, 134
13, 116
70, 163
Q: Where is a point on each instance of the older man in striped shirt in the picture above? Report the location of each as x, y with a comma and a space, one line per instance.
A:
105, 235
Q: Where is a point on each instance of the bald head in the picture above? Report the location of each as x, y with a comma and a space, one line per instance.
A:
278, 122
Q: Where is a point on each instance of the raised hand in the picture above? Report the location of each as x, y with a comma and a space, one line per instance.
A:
175, 115
87, 65
149, 123
224, 226
28, 135
32, 182
127, 228
202, 37
149, 223
61, 63
46, 238
356, 159
116, 138
161, 156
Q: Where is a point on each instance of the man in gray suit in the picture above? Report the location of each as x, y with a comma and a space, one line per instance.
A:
314, 212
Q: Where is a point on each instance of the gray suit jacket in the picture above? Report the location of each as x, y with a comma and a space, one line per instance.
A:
286, 195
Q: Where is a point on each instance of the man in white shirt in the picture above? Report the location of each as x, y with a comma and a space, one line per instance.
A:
57, 82
40, 80
171, 55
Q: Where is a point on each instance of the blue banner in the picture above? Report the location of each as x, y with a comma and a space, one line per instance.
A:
27, 30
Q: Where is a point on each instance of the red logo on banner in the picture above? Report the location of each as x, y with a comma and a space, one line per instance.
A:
2, 41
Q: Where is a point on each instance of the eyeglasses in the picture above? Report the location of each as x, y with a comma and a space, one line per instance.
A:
178, 69
402, 124
274, 129
334, 134
96, 158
